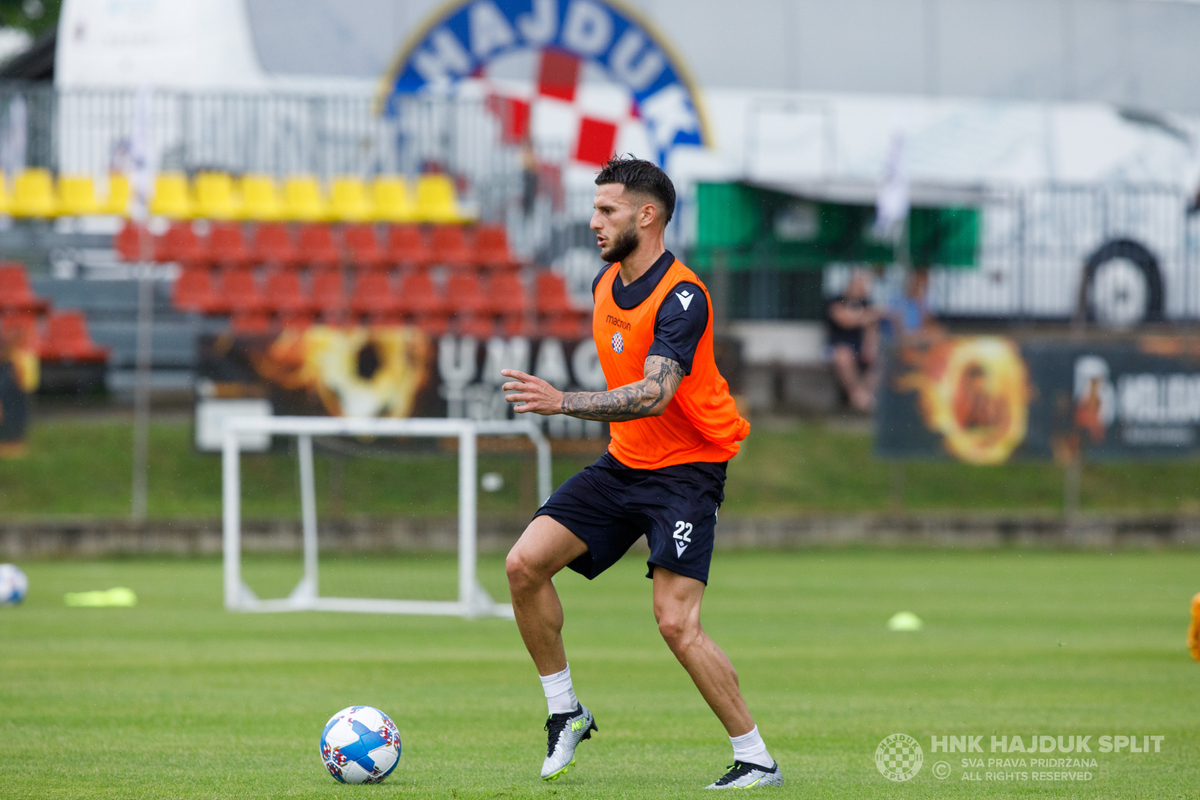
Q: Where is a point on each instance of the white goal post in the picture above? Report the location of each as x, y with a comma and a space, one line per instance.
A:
473, 600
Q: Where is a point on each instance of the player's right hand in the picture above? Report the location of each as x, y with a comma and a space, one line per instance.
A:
535, 395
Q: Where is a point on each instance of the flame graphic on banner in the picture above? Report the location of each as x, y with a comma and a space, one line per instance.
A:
355, 372
973, 391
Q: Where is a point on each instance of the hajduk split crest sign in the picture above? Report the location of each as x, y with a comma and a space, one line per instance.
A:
593, 68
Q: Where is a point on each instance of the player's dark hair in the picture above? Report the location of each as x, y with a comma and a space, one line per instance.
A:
641, 177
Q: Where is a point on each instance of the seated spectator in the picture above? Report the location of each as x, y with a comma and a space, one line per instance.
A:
908, 312
853, 330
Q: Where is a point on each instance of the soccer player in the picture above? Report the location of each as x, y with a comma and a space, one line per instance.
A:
673, 427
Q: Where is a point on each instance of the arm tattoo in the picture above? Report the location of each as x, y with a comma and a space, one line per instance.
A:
645, 398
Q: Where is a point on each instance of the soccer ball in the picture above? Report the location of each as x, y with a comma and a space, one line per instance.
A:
13, 585
360, 745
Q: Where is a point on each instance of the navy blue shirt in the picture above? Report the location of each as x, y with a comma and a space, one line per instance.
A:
681, 318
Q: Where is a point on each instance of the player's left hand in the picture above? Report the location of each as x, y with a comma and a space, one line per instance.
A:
535, 395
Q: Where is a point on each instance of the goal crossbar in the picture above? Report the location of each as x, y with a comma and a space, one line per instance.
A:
473, 600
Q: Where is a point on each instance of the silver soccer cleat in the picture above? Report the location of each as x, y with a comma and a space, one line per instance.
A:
566, 732
748, 776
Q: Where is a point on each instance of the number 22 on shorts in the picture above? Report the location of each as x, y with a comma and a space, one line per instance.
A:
683, 537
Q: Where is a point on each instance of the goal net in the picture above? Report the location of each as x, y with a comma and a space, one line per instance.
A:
473, 600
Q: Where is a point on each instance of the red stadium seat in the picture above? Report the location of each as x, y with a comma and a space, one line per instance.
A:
491, 248
250, 323
362, 248
507, 296
465, 294
550, 291
318, 247
134, 243
21, 329
517, 325
406, 245
468, 324
67, 339
241, 293
227, 246
450, 246
569, 327
15, 292
329, 294
181, 245
419, 295
273, 245
375, 299
193, 291
286, 297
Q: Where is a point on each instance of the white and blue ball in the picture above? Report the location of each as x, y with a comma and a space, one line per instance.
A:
13, 585
360, 744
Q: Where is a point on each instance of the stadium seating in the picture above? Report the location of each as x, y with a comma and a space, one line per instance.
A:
318, 248
491, 248
67, 339
172, 198
362, 247
77, 196
329, 295
250, 323
16, 295
391, 198
406, 245
227, 247
34, 195
193, 291
348, 200
437, 200
465, 294
481, 327
134, 243
450, 246
21, 329
550, 291
241, 294
286, 297
273, 245
303, 200
5, 196
260, 198
120, 192
507, 297
374, 298
180, 244
215, 196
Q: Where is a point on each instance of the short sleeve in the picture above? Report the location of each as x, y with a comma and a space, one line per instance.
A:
681, 321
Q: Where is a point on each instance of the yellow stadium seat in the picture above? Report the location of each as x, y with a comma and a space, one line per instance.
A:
303, 200
392, 201
33, 194
215, 196
437, 200
5, 197
120, 192
77, 196
260, 198
171, 196
348, 200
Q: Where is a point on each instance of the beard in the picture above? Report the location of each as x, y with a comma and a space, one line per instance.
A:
620, 248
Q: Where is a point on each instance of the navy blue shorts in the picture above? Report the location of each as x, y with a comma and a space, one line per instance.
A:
609, 506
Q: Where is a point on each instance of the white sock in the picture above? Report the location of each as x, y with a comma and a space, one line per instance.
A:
560, 695
749, 748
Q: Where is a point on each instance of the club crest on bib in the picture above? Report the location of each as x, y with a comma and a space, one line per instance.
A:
618, 342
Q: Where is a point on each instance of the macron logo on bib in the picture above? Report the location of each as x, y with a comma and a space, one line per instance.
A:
685, 298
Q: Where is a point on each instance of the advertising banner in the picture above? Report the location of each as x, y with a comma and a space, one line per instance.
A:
386, 371
988, 400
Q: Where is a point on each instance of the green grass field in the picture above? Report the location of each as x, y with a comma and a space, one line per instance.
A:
176, 698
783, 469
